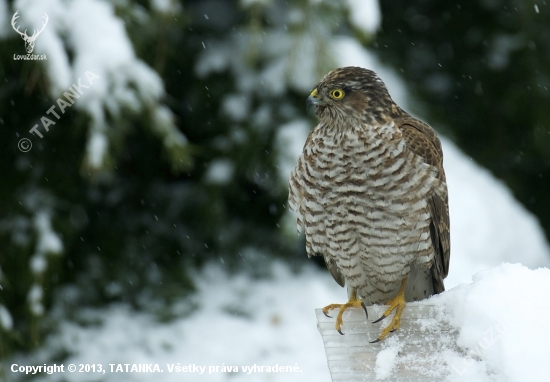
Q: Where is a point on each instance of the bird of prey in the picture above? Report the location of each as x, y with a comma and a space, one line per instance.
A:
370, 191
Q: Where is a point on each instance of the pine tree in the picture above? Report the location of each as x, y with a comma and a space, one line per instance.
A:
481, 71
177, 154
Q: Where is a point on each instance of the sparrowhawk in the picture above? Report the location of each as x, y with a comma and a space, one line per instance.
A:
370, 191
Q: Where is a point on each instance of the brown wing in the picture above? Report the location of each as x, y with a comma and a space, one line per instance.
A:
423, 141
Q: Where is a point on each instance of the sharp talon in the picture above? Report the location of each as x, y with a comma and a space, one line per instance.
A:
380, 319
396, 304
365, 309
353, 302
375, 341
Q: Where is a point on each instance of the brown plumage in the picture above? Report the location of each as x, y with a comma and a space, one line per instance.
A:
370, 191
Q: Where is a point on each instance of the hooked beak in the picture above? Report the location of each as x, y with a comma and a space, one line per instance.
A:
313, 99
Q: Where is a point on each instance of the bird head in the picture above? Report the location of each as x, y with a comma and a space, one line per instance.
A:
351, 95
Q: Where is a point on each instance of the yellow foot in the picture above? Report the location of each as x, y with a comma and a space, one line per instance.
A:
353, 302
397, 304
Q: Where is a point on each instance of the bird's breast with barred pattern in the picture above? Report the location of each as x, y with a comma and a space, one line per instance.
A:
361, 197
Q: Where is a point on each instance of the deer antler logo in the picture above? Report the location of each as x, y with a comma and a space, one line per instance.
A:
29, 41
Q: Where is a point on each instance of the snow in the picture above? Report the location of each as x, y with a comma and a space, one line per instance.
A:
38, 264
96, 148
500, 310
163, 122
488, 226
4, 19
48, 240
165, 6
503, 321
244, 321
97, 144
237, 107
248, 3
295, 69
238, 321
386, 360
483, 331
290, 142
6, 321
365, 15
99, 44
220, 171
502, 47
35, 296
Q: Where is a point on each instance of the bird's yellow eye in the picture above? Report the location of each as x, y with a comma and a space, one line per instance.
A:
337, 94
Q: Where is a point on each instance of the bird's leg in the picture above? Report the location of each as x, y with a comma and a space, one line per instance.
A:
353, 302
397, 304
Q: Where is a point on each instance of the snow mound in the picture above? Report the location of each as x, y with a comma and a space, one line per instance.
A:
493, 329
230, 321
488, 226
502, 317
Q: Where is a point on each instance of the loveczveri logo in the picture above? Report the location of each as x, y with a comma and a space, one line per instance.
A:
29, 40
